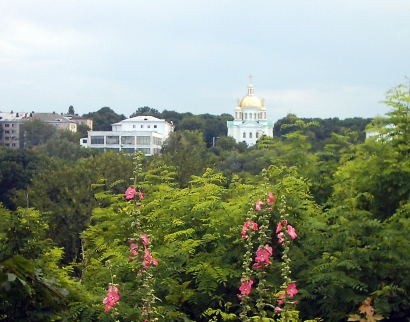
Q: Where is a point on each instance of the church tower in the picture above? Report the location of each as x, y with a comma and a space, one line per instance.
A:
250, 121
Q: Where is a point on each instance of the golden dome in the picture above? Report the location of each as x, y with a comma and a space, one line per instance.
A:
238, 108
251, 101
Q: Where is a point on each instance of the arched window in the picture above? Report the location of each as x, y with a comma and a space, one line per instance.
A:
250, 135
244, 135
257, 134
250, 116
246, 116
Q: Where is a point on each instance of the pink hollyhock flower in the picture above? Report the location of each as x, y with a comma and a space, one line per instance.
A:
278, 309
145, 239
280, 238
291, 290
246, 226
280, 298
133, 249
269, 249
262, 256
258, 265
148, 260
141, 196
111, 298
246, 287
130, 193
130, 240
279, 227
292, 232
258, 205
271, 198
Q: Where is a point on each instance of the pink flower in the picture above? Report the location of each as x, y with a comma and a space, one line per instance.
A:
279, 227
271, 198
141, 196
262, 255
292, 232
291, 290
280, 238
130, 193
258, 265
278, 309
246, 287
148, 260
280, 298
258, 205
111, 298
269, 249
145, 239
246, 226
133, 249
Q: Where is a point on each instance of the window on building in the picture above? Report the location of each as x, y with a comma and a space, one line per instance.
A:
250, 135
155, 126
244, 135
113, 139
7, 144
134, 126
142, 126
13, 125
156, 141
6, 131
7, 138
97, 139
246, 116
13, 144
128, 140
6, 125
128, 150
149, 126
250, 116
143, 140
257, 135
144, 150
13, 131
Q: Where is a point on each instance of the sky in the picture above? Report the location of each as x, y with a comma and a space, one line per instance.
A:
312, 58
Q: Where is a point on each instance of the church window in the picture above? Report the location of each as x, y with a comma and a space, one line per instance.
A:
244, 135
246, 116
250, 135
250, 115
257, 135
254, 115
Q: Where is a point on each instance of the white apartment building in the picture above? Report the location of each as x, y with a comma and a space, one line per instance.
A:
141, 133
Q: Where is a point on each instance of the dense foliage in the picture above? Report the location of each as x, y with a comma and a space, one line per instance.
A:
66, 224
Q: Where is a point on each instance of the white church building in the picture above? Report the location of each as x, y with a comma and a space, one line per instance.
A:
250, 121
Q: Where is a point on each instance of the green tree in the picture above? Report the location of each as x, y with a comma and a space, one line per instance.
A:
104, 118
37, 132
71, 110
146, 110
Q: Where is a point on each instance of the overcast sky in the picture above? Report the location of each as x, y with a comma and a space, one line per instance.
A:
313, 58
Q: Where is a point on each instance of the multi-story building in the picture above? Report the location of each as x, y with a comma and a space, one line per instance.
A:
80, 120
250, 121
142, 133
13, 126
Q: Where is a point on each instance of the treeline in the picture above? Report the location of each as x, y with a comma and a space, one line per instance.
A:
65, 222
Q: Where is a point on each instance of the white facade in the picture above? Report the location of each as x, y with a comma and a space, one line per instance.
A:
250, 121
142, 133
